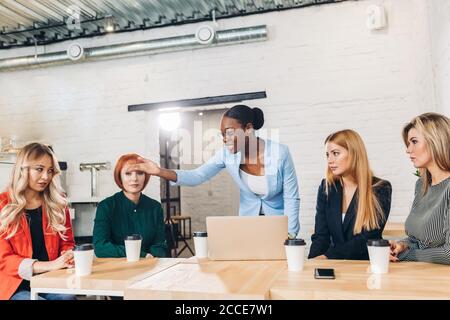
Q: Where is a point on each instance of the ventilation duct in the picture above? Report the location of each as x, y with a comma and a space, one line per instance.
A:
188, 42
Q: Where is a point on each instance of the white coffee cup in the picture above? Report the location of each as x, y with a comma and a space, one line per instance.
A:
83, 256
295, 253
379, 251
133, 247
201, 244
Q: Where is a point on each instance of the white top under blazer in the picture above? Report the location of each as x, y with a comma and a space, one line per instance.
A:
257, 184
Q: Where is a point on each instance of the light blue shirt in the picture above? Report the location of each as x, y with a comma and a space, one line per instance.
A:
282, 188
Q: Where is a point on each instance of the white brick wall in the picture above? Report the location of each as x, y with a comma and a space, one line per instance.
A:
323, 70
439, 14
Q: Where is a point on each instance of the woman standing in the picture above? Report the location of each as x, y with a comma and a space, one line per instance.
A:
35, 229
263, 169
427, 140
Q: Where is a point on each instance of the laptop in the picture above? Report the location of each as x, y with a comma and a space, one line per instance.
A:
247, 237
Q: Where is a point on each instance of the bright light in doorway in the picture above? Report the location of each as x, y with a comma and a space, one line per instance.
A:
169, 121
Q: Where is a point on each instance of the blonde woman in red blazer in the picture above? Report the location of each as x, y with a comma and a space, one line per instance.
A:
36, 234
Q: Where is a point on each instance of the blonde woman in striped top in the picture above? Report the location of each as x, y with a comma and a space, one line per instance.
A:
427, 138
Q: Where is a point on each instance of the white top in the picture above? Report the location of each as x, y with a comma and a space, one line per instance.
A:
343, 217
257, 184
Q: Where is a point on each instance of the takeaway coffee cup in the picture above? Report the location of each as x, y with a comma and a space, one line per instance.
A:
379, 255
295, 253
133, 247
201, 244
83, 256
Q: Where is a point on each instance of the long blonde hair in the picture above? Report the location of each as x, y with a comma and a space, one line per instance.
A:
435, 128
53, 199
369, 210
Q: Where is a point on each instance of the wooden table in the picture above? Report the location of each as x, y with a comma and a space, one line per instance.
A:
206, 279
110, 277
394, 230
194, 259
405, 280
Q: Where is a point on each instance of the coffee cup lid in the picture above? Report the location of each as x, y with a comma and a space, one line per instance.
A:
133, 237
294, 242
378, 243
200, 234
83, 247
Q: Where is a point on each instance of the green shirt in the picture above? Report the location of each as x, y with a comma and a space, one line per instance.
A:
117, 216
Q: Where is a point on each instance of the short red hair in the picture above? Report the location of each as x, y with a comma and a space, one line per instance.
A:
130, 158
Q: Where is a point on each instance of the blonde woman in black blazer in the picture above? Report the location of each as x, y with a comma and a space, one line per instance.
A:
352, 204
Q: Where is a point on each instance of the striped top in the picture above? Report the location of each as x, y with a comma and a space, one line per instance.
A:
428, 225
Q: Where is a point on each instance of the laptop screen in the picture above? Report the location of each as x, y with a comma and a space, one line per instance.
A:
247, 237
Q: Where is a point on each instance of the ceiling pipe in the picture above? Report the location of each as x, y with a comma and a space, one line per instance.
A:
187, 42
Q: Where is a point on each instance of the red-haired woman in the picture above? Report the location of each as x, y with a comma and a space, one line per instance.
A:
129, 212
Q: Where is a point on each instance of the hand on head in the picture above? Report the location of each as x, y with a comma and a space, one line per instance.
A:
146, 166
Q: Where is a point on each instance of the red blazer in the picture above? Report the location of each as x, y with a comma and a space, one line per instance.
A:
19, 247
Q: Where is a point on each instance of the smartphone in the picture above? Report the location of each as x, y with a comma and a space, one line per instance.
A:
324, 273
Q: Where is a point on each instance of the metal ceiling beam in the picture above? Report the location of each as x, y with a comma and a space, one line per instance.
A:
160, 10
221, 5
8, 22
18, 7
84, 8
36, 6
121, 10
14, 38
14, 16
56, 6
53, 5
64, 6
238, 5
139, 6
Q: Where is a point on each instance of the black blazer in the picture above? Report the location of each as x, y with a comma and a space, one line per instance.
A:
334, 238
